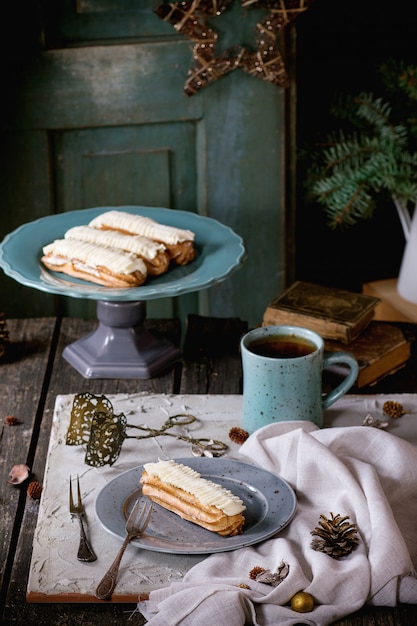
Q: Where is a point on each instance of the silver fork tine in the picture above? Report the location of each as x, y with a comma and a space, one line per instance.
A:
79, 504
70, 496
135, 526
85, 551
147, 517
139, 520
131, 520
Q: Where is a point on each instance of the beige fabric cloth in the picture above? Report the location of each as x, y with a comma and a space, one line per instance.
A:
362, 472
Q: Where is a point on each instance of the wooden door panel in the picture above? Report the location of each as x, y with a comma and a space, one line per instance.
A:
137, 173
246, 189
25, 195
152, 164
149, 165
107, 86
104, 102
76, 21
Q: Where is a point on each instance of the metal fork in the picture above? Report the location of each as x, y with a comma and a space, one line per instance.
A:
135, 526
85, 551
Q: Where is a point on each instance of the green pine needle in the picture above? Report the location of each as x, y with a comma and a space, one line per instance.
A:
351, 170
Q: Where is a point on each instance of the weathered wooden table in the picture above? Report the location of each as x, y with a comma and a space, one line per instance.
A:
34, 373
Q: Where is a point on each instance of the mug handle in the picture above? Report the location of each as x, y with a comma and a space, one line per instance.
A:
348, 359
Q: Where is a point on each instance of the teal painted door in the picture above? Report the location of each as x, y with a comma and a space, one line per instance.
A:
99, 118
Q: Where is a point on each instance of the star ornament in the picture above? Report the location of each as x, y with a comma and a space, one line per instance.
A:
266, 62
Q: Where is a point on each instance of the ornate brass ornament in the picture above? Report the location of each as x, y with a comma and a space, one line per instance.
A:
94, 423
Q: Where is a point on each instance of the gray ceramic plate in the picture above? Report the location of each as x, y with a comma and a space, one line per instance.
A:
220, 252
270, 505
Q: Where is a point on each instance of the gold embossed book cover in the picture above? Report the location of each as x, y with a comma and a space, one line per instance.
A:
380, 350
333, 313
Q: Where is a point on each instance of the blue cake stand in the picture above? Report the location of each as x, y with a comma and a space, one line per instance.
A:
121, 347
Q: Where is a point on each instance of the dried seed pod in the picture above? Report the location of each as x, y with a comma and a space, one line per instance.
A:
34, 490
369, 420
255, 571
238, 435
18, 474
393, 409
274, 578
262, 575
10, 420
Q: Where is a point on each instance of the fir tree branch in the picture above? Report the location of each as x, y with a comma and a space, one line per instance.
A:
353, 170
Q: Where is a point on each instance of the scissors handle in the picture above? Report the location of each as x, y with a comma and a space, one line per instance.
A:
211, 445
181, 419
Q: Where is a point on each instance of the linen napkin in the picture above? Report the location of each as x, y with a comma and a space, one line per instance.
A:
363, 472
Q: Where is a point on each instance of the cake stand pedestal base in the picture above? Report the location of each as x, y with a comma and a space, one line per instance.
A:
121, 347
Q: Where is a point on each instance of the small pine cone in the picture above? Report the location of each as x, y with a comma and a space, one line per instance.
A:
337, 536
10, 420
393, 409
255, 571
34, 490
238, 435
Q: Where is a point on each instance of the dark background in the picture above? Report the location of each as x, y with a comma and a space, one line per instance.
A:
340, 46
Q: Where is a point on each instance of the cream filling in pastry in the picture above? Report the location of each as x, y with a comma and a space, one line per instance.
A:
140, 225
142, 246
187, 479
93, 256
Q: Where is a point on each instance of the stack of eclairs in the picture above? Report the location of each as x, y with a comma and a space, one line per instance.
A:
119, 249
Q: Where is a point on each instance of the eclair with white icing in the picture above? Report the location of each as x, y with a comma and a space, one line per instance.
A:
183, 491
153, 254
179, 242
98, 264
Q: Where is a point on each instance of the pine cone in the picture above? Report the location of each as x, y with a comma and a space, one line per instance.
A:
34, 490
337, 536
255, 571
393, 409
238, 435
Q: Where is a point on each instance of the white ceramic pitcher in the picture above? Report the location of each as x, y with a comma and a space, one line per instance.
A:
407, 278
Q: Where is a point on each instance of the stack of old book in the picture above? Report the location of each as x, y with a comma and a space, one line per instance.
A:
345, 320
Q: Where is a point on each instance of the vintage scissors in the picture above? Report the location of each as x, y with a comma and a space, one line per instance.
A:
94, 424
202, 446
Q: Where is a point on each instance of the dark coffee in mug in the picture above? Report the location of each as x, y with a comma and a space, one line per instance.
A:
282, 347
278, 386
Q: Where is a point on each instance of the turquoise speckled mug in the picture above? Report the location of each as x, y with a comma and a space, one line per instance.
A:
282, 376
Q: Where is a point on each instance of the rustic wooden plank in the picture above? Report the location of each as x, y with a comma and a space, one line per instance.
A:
403, 615
211, 376
212, 362
65, 380
74, 614
22, 375
32, 341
